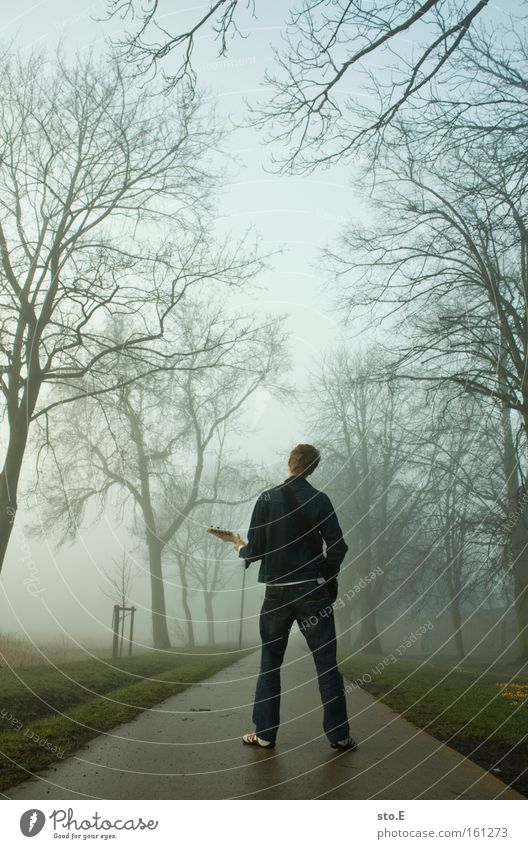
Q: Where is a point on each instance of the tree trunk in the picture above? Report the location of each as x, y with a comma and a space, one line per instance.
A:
520, 577
344, 630
160, 633
7, 515
453, 581
368, 637
457, 628
185, 603
209, 613
10, 476
518, 548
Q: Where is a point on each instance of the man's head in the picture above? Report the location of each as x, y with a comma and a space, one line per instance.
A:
303, 460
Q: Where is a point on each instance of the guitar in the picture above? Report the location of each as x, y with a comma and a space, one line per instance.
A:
224, 534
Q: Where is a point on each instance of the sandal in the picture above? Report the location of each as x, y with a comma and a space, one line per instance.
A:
251, 739
348, 745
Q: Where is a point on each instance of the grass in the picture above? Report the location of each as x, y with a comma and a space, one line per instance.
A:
49, 713
475, 711
17, 650
31, 693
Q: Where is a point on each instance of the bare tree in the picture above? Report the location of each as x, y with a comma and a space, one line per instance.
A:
204, 565
211, 566
120, 581
146, 55
162, 446
328, 46
446, 268
367, 431
462, 509
418, 489
105, 202
181, 550
485, 98
119, 587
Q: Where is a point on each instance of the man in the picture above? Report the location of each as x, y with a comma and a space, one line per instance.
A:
288, 526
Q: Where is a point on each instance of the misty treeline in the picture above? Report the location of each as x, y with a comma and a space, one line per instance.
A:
437, 484
109, 258
158, 455
420, 486
124, 364
428, 429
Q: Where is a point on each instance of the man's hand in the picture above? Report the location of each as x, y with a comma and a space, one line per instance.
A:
331, 586
238, 542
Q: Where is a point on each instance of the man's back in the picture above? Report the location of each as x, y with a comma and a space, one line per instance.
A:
278, 537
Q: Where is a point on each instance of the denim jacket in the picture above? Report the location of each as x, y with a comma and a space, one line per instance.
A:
285, 552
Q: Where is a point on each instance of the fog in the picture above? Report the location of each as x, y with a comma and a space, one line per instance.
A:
425, 485
289, 214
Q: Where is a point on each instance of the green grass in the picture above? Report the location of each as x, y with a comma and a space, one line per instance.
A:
464, 707
32, 692
36, 734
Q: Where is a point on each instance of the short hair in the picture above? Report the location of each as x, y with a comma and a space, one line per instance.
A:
303, 459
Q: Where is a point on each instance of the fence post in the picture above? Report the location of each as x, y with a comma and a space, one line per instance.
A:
115, 626
131, 637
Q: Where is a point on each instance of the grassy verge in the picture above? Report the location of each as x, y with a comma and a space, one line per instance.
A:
476, 712
77, 701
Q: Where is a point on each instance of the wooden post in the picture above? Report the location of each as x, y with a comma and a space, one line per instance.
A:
132, 611
122, 634
115, 626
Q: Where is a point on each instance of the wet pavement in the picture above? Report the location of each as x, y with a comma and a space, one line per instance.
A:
189, 747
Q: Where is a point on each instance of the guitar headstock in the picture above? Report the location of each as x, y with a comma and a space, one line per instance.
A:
222, 533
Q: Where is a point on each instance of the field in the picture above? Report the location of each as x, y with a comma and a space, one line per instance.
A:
481, 713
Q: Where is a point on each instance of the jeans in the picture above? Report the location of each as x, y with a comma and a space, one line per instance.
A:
310, 605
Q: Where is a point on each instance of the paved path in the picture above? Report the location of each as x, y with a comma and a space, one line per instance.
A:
189, 747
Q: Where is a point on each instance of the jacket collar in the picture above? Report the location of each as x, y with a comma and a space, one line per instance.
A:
289, 480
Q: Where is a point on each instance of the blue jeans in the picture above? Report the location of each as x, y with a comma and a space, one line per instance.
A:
310, 605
